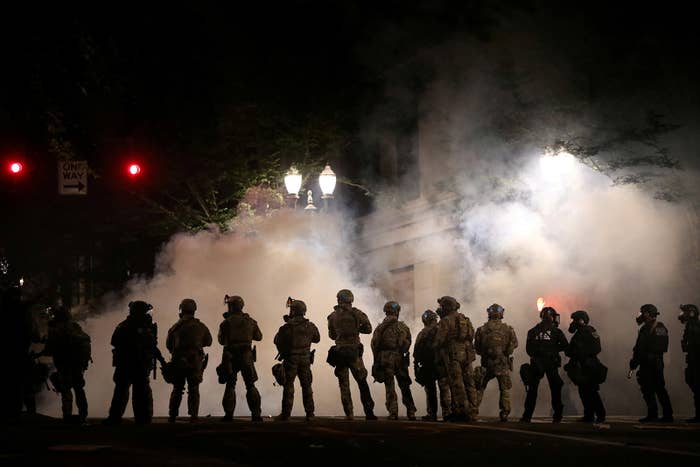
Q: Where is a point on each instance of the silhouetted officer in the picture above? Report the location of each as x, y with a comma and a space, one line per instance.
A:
544, 343
691, 346
135, 348
425, 367
648, 356
584, 368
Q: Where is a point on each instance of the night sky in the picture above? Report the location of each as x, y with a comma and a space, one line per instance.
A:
187, 90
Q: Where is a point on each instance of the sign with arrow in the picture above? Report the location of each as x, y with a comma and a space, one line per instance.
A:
72, 177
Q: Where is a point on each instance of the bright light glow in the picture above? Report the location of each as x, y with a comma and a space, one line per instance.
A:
21, 281
540, 303
292, 181
557, 165
327, 181
134, 169
16, 167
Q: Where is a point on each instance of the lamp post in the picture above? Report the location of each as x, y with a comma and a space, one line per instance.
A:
292, 182
327, 181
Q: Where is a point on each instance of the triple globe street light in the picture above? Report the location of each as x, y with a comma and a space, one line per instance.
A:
326, 180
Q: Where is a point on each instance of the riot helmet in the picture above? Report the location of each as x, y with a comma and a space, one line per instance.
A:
495, 311
139, 307
428, 316
578, 318
688, 312
234, 302
345, 296
448, 303
392, 308
188, 306
550, 314
297, 308
647, 312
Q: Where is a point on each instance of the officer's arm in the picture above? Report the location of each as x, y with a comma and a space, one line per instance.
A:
374, 343
470, 330
222, 333
169, 341
315, 335
331, 329
477, 341
562, 343
440, 336
530, 346
660, 339
513, 342
684, 340
365, 327
257, 334
595, 344
207, 341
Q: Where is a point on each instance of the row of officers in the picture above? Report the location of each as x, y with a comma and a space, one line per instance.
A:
443, 357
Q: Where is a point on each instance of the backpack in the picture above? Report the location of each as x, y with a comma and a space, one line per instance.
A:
494, 339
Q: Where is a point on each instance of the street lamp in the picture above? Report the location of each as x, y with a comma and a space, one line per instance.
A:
292, 181
327, 181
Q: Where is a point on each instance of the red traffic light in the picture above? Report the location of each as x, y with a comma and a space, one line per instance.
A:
134, 170
15, 168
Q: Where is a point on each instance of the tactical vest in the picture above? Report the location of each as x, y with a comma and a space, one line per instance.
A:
494, 339
239, 329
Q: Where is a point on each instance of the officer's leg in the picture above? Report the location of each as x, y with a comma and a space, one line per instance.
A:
307, 393
343, 375
470, 389
193, 396
694, 383
597, 403
120, 399
504, 386
404, 382
646, 385
555, 385
445, 397
143, 399
176, 395
392, 405
531, 397
229, 400
662, 393
431, 401
290, 374
359, 372
459, 395
252, 395
66, 402
480, 390
78, 381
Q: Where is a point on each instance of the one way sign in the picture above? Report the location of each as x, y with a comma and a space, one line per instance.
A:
72, 177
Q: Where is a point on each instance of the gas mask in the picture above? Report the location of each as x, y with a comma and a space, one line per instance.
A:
641, 319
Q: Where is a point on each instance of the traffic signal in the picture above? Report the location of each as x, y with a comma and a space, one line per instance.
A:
134, 169
15, 167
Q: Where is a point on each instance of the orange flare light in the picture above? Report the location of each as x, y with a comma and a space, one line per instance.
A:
540, 304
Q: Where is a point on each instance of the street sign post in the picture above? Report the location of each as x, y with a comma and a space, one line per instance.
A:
72, 177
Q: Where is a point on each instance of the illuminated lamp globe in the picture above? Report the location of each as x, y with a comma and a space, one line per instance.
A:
16, 167
292, 182
134, 169
327, 181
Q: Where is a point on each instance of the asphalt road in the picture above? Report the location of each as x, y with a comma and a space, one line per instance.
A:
331, 441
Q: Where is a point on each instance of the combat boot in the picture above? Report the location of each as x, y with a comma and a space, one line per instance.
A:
370, 416
429, 418
393, 416
172, 418
649, 419
666, 419
310, 417
503, 416
228, 417
412, 417
525, 419
282, 417
256, 418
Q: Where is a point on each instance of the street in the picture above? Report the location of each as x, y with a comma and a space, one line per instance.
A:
333, 441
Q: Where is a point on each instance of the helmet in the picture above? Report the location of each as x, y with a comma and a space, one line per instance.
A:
235, 301
548, 310
495, 311
297, 308
650, 309
139, 306
392, 308
448, 303
345, 296
580, 315
428, 316
188, 306
688, 312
